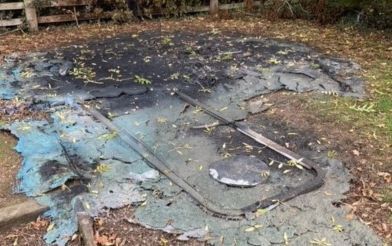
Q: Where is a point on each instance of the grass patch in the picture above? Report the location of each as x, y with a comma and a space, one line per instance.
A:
368, 121
387, 196
384, 104
372, 115
389, 124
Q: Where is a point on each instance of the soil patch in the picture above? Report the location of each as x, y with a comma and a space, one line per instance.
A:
25, 234
117, 226
114, 228
9, 166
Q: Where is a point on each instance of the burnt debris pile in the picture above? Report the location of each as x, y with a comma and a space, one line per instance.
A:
133, 82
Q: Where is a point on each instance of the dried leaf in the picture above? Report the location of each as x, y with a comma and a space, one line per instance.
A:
250, 229
50, 227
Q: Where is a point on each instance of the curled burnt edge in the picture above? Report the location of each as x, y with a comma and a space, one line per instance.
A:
148, 154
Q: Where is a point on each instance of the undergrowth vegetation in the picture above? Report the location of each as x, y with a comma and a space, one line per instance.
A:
370, 13
364, 13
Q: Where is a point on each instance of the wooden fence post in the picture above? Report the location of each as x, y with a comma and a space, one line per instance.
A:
214, 6
31, 15
249, 4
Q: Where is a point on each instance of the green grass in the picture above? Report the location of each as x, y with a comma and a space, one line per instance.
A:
389, 124
372, 115
387, 195
381, 90
384, 104
371, 118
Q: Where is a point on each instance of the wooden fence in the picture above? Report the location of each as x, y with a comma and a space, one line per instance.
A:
33, 20
12, 6
215, 6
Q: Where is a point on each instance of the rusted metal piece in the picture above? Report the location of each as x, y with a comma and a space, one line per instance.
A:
154, 161
311, 185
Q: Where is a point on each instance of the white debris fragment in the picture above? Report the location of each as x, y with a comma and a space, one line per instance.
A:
149, 175
197, 233
239, 182
214, 173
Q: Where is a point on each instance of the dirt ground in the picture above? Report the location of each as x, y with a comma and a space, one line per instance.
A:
9, 159
366, 155
117, 226
10, 163
112, 229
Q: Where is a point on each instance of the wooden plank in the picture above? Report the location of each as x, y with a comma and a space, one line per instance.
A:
197, 9
31, 15
63, 18
11, 6
11, 22
20, 213
85, 225
232, 6
221, 7
71, 17
65, 3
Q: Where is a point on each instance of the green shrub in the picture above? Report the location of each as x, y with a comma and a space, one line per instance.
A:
378, 14
371, 13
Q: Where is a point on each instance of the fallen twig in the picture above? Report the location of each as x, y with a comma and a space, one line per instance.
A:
12, 31
216, 123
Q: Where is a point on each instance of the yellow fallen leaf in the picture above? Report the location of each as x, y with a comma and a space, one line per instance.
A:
102, 168
50, 227
250, 229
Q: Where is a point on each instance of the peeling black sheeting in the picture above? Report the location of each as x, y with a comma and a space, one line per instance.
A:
181, 60
51, 168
